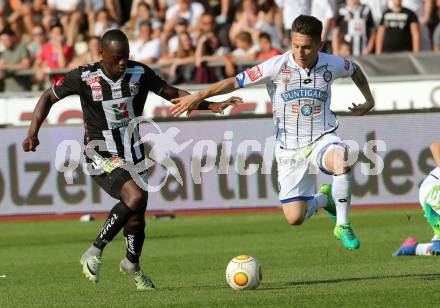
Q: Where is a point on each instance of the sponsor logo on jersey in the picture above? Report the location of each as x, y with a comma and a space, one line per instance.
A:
346, 65
93, 80
96, 92
285, 73
60, 82
120, 110
300, 94
240, 78
135, 70
327, 76
254, 73
88, 75
134, 88
116, 92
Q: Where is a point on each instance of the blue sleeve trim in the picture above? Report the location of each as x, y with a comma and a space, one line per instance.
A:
298, 198
240, 78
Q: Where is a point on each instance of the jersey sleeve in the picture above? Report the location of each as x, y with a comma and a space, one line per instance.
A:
412, 17
259, 74
343, 67
69, 85
152, 82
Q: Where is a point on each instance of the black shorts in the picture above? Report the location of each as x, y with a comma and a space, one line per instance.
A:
112, 182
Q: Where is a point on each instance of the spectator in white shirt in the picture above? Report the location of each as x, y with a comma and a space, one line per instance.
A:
145, 49
187, 9
290, 10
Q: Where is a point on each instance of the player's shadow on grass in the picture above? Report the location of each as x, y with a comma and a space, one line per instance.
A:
383, 277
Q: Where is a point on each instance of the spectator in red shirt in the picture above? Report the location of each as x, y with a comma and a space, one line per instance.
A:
267, 51
54, 54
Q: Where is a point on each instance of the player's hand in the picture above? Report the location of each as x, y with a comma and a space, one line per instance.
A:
184, 103
219, 107
30, 143
361, 109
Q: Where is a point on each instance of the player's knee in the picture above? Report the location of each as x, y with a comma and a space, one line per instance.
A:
136, 223
136, 200
294, 220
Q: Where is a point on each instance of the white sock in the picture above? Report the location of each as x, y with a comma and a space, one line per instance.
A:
341, 191
319, 201
423, 249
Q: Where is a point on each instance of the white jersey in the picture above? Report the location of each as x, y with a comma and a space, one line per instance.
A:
300, 98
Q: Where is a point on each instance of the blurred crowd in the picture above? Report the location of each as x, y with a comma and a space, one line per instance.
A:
199, 41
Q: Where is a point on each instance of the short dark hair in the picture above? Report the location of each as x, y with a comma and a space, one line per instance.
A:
8, 31
113, 35
265, 35
308, 25
56, 23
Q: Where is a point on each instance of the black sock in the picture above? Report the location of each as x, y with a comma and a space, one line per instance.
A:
134, 240
116, 220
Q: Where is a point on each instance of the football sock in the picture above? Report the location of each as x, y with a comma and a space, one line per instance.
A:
341, 191
93, 251
134, 240
116, 220
423, 249
130, 266
319, 201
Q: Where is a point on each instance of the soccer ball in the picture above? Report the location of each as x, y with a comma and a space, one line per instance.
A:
243, 273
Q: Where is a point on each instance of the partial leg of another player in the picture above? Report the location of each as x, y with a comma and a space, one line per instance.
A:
335, 162
410, 247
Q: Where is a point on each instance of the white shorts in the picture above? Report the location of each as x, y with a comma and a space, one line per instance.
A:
433, 179
297, 168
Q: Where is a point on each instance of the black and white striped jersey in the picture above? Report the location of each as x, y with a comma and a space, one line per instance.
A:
109, 105
300, 97
356, 25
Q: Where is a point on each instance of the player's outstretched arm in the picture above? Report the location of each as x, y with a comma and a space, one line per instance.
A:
362, 83
196, 100
47, 99
435, 150
170, 93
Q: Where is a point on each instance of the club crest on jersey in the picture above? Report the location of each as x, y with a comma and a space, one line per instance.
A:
254, 73
134, 88
327, 76
307, 109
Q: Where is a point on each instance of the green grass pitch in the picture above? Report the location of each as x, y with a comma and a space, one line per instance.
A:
187, 257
